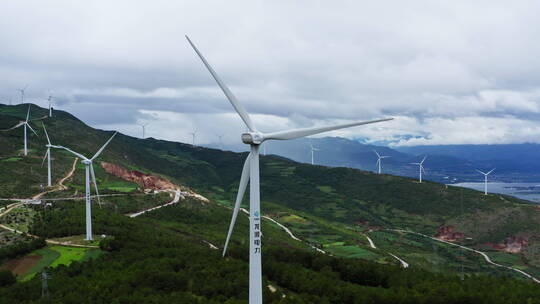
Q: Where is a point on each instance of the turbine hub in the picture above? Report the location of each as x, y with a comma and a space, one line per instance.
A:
252, 138
86, 161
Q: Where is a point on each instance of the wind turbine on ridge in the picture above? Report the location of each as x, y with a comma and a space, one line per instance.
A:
22, 93
24, 123
48, 156
313, 152
144, 129
420, 167
193, 134
88, 162
378, 163
485, 179
49, 99
250, 172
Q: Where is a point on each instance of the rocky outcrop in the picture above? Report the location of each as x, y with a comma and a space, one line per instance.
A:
447, 233
145, 181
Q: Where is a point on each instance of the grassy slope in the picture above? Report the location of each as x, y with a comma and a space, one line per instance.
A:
339, 198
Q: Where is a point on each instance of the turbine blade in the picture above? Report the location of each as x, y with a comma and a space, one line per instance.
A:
296, 133
232, 99
377, 154
490, 171
73, 152
41, 118
102, 148
481, 172
423, 170
95, 183
47, 135
423, 159
28, 113
28, 125
44, 157
14, 127
386, 156
244, 179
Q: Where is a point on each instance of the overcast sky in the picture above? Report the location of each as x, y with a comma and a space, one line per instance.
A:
450, 72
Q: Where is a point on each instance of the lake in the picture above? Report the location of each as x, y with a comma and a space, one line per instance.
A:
528, 191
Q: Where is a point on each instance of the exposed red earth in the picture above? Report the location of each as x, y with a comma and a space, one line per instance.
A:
146, 181
447, 233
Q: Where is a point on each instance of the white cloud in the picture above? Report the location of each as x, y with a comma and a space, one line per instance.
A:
437, 66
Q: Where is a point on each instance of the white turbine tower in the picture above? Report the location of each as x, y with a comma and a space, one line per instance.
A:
48, 156
250, 172
379, 162
312, 153
22, 93
49, 99
485, 179
420, 167
24, 123
89, 172
144, 129
193, 134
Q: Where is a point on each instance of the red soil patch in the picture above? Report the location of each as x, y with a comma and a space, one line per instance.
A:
144, 180
447, 233
22, 265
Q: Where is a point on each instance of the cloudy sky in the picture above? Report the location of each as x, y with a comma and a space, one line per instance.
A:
450, 72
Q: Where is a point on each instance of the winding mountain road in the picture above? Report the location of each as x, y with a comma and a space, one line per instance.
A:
484, 255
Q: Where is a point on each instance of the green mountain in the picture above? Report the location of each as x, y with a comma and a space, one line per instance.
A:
165, 256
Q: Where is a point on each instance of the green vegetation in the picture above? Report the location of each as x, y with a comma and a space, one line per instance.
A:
163, 257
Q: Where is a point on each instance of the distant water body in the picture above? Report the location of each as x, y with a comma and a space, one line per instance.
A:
527, 191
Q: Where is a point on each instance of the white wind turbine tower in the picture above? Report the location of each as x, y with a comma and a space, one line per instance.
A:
250, 172
420, 167
22, 93
379, 162
144, 129
48, 156
485, 179
24, 123
193, 134
89, 172
49, 99
312, 153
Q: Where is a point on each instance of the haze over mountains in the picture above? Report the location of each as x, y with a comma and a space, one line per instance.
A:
444, 163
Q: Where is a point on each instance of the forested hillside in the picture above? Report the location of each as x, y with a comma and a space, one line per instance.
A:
164, 256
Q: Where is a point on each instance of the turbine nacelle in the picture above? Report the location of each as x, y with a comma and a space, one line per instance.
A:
86, 161
253, 138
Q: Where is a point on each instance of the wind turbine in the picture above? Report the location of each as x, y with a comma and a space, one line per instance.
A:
420, 167
193, 135
48, 156
49, 99
220, 136
89, 172
312, 152
250, 172
22, 93
378, 163
485, 179
144, 129
24, 123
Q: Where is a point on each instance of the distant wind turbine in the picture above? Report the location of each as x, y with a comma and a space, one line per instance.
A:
24, 123
49, 99
22, 93
485, 179
89, 171
220, 136
378, 163
420, 167
193, 134
48, 156
250, 172
144, 129
312, 153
